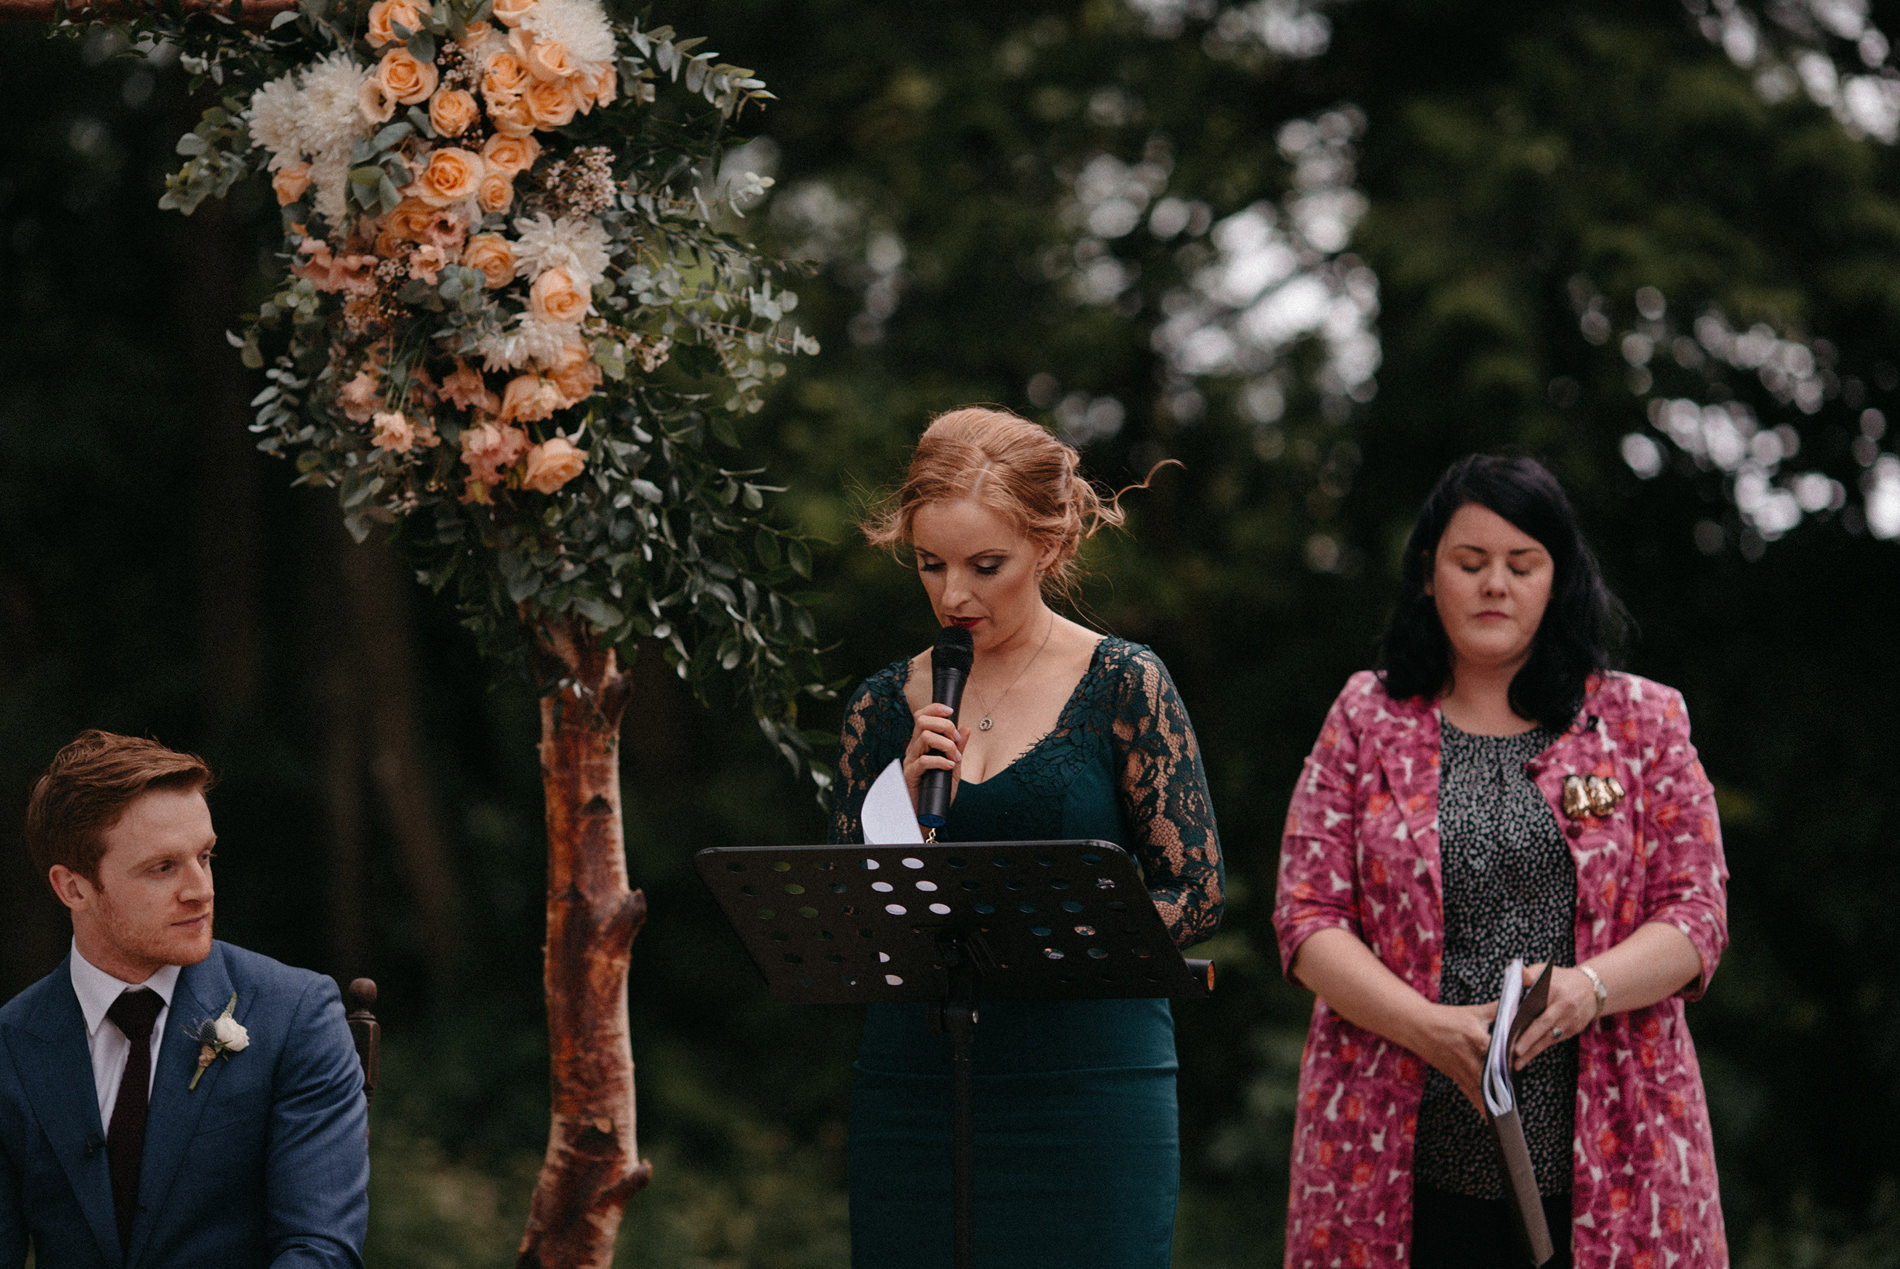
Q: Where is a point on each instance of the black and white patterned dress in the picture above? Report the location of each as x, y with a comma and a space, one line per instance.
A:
1510, 890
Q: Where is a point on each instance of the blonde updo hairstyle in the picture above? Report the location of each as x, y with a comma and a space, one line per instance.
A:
1010, 466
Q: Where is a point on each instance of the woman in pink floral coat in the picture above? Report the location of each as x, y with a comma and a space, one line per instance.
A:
1398, 892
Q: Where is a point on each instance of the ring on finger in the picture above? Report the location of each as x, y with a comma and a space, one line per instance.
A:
1556, 1033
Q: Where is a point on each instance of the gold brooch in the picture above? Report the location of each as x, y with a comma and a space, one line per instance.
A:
1591, 795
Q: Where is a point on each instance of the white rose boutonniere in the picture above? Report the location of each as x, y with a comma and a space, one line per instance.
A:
219, 1037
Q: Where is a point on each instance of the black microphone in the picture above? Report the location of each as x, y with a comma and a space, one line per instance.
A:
94, 1144
949, 665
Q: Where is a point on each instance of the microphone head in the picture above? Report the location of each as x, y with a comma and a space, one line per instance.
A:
953, 650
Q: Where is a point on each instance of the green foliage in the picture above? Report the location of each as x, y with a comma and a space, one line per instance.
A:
576, 473
1526, 171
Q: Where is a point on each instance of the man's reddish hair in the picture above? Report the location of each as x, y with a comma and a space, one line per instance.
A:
87, 787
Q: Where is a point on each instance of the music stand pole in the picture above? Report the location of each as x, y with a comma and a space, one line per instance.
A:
935, 922
958, 1019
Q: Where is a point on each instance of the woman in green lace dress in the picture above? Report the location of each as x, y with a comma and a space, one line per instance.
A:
1067, 734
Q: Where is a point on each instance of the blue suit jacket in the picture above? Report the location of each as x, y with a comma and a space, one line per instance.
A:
266, 1162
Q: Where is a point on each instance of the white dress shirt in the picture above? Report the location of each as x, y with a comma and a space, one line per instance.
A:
110, 1049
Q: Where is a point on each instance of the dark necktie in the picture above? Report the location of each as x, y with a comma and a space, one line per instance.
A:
133, 1012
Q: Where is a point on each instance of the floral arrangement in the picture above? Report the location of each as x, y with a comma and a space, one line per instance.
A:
513, 321
439, 196
218, 1037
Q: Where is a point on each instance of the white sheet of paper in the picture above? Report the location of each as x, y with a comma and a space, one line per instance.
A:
888, 817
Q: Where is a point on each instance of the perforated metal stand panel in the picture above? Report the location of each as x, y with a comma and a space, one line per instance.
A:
1038, 920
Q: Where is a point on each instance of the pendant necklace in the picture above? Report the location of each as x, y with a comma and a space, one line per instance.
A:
989, 722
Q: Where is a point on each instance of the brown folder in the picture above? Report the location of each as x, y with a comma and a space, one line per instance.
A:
1501, 1110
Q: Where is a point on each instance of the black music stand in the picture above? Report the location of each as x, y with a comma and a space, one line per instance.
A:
943, 921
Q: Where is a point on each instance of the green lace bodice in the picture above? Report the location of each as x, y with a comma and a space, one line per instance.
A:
1121, 765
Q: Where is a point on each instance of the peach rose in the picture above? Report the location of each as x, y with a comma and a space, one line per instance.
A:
374, 103
555, 298
290, 181
385, 15
452, 175
545, 59
494, 256
552, 464
453, 112
413, 220
576, 375
510, 12
490, 449
605, 88
503, 76
469, 390
550, 103
496, 193
528, 399
404, 78
512, 155
511, 117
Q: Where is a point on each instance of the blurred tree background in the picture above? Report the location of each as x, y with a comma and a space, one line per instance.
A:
1313, 250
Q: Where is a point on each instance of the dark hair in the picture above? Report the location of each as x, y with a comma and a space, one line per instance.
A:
1584, 626
87, 788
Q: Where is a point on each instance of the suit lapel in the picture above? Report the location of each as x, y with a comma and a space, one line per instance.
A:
55, 1067
175, 1108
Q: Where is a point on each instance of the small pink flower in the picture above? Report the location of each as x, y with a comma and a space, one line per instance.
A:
394, 432
490, 449
362, 396
466, 388
426, 261
327, 272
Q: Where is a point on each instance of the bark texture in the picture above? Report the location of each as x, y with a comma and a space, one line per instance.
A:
592, 1165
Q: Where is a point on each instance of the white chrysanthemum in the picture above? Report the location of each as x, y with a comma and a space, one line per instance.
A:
501, 350
579, 26
529, 342
331, 90
579, 246
330, 178
277, 119
545, 342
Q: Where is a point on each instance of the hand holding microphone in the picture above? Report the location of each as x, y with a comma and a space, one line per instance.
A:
950, 661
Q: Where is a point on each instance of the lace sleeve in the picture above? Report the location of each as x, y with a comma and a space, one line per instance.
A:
876, 727
1165, 801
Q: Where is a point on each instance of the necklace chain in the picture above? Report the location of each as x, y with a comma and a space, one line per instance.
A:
989, 722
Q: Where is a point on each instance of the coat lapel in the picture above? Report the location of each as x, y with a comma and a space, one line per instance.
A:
175, 1108
1407, 742
1590, 748
55, 1067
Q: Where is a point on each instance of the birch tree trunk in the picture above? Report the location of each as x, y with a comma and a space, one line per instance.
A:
593, 1165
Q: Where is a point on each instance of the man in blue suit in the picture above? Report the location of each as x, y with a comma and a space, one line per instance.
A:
167, 1100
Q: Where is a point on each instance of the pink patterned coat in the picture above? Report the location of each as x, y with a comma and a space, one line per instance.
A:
1361, 854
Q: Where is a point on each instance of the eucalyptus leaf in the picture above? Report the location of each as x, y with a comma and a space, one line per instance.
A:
391, 134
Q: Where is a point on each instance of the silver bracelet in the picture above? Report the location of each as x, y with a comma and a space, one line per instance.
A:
1596, 985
